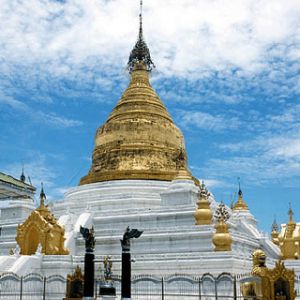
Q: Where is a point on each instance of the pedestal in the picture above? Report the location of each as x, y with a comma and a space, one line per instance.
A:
126, 276
88, 288
107, 289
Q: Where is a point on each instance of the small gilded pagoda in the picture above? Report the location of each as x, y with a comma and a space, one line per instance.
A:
288, 239
41, 230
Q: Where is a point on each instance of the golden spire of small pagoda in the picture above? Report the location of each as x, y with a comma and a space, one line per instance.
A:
42, 196
203, 214
275, 233
240, 204
291, 213
288, 238
291, 225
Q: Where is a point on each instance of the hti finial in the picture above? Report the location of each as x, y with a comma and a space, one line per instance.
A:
140, 52
239, 183
274, 225
290, 212
22, 177
141, 19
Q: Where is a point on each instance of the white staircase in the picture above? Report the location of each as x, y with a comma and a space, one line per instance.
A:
6, 262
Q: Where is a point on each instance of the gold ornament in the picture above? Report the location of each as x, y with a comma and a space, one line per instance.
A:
222, 238
203, 214
41, 227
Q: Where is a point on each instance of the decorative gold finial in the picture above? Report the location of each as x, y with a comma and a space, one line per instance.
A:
291, 226
222, 238
291, 213
275, 233
240, 204
203, 214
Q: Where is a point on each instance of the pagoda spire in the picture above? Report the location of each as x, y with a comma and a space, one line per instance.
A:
141, 20
42, 196
274, 227
22, 177
291, 213
140, 52
291, 225
240, 204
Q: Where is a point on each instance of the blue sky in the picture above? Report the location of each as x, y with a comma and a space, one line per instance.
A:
227, 70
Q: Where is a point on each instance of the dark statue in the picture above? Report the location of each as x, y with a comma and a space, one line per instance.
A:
89, 237
75, 285
129, 234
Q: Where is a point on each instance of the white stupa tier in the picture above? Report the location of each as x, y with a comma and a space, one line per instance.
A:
171, 242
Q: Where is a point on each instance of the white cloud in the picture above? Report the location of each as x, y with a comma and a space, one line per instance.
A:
203, 120
36, 169
272, 153
196, 36
39, 171
48, 118
213, 183
56, 121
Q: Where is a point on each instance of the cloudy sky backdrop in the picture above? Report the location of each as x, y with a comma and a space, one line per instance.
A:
227, 70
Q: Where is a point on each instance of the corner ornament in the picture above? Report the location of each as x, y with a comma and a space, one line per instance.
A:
222, 238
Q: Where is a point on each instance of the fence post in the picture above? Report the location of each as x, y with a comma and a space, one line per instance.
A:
162, 289
44, 289
234, 288
21, 288
199, 281
216, 289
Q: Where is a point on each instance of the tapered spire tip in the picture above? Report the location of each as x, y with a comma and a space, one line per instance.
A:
140, 52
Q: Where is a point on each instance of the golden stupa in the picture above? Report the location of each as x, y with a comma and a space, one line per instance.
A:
139, 140
240, 204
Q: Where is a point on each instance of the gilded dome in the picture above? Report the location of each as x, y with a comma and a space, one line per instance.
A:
139, 140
